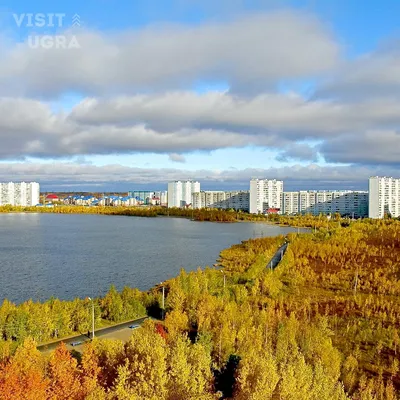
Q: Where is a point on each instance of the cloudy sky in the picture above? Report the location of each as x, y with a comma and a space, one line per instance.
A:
132, 94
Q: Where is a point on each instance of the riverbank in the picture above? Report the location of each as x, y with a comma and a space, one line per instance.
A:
210, 215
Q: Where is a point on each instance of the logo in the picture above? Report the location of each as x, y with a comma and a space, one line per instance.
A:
76, 21
48, 21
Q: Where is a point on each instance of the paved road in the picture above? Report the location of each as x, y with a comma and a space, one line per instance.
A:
276, 259
120, 331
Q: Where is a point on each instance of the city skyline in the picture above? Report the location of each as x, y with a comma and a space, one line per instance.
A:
189, 91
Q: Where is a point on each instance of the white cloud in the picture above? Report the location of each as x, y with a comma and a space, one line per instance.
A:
251, 52
140, 98
183, 122
289, 114
312, 176
371, 147
375, 74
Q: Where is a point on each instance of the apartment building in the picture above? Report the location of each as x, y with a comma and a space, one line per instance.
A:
180, 193
265, 194
237, 200
19, 194
149, 197
384, 197
344, 202
291, 203
307, 200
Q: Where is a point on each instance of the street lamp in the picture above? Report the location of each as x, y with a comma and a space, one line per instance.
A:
163, 300
92, 316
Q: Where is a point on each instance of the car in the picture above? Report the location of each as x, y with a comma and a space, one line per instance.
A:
76, 343
134, 326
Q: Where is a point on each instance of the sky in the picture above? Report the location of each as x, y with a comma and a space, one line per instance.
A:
111, 95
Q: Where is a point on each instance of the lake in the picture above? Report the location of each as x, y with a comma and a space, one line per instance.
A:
67, 256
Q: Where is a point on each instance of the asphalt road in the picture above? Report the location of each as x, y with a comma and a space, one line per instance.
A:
276, 259
120, 331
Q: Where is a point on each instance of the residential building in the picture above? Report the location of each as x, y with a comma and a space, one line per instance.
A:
163, 195
290, 203
127, 201
149, 197
20, 194
344, 202
237, 200
180, 193
384, 197
79, 200
52, 198
265, 194
141, 196
307, 201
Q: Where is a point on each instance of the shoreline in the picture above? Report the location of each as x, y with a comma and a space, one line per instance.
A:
198, 215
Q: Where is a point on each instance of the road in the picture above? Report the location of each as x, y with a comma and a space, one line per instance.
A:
276, 259
120, 331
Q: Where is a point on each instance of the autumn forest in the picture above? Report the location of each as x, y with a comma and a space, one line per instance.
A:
323, 325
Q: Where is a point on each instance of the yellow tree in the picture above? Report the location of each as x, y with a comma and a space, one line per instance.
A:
146, 353
91, 372
189, 371
64, 376
23, 376
176, 322
257, 376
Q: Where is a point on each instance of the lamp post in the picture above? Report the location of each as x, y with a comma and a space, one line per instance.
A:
92, 316
163, 301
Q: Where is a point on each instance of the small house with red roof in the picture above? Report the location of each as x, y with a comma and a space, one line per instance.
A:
52, 198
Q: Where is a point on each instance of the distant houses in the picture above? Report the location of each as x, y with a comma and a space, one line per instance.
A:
78, 200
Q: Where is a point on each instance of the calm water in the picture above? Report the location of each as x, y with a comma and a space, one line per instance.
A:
67, 256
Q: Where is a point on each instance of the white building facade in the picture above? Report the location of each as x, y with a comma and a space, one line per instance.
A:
180, 193
345, 202
163, 195
237, 200
265, 194
384, 197
291, 203
19, 194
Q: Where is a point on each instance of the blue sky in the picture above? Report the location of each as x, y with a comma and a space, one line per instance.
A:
343, 55
359, 24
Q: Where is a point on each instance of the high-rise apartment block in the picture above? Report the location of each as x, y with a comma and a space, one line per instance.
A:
180, 193
237, 200
19, 194
265, 194
384, 197
344, 202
